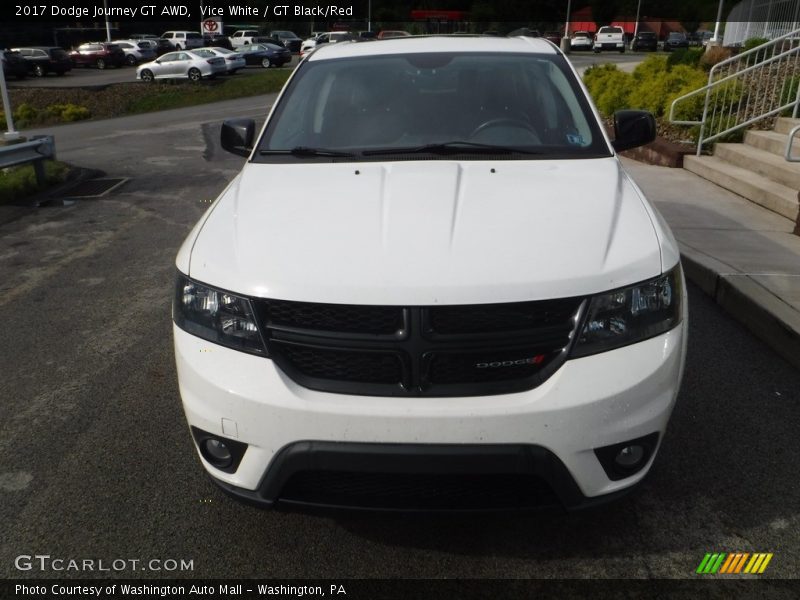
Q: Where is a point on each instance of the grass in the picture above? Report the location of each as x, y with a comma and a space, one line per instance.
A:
179, 95
17, 183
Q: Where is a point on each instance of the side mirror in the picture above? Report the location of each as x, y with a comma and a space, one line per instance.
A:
237, 136
633, 128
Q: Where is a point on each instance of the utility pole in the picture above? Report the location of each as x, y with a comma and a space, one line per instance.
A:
716, 25
636, 26
108, 25
11, 134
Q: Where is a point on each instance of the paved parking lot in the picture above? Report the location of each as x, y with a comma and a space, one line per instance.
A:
96, 460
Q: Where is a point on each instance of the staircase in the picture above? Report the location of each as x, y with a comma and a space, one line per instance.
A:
756, 169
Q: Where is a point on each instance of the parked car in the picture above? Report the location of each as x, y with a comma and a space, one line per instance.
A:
160, 45
234, 61
645, 40
288, 38
14, 65
330, 37
137, 51
675, 40
266, 55
186, 64
609, 38
391, 33
581, 40
553, 36
45, 59
244, 37
430, 277
98, 54
183, 40
217, 41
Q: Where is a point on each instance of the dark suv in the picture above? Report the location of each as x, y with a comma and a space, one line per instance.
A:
13, 65
675, 40
645, 40
45, 59
98, 54
288, 39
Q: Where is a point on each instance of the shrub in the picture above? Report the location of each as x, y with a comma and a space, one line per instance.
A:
685, 56
753, 42
609, 88
714, 55
656, 87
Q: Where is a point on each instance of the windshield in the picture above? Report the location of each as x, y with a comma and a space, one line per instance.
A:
364, 105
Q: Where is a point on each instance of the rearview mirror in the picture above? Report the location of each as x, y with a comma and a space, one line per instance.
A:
237, 136
633, 128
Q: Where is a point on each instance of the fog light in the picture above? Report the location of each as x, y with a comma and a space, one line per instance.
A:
220, 452
629, 457
626, 458
217, 452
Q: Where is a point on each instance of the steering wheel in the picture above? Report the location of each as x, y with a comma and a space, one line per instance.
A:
503, 121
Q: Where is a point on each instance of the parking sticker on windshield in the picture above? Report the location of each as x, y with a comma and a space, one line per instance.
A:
576, 139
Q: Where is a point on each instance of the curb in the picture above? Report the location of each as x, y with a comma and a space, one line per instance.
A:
759, 310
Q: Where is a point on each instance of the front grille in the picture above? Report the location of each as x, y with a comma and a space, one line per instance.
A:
500, 318
419, 491
342, 365
419, 351
345, 318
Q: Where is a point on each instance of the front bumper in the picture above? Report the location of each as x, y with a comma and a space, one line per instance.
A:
589, 403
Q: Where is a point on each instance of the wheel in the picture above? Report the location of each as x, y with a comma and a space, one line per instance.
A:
501, 122
147, 75
39, 71
100, 64
195, 74
131, 59
266, 63
597, 50
178, 47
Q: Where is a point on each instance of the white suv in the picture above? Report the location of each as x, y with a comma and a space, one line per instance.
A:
407, 298
184, 40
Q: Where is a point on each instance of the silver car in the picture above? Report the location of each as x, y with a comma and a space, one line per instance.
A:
179, 65
137, 51
233, 60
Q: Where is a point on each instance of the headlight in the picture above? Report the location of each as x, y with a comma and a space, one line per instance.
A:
216, 316
631, 314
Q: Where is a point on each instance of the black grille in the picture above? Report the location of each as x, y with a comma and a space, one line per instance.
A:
419, 351
423, 491
490, 318
343, 365
345, 318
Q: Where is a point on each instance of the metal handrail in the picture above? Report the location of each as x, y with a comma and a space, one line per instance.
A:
766, 102
789, 142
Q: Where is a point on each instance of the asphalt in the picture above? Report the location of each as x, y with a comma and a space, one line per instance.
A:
742, 255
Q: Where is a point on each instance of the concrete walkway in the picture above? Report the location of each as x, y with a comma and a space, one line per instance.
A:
744, 256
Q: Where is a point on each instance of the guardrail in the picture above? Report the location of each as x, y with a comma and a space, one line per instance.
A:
36, 151
746, 88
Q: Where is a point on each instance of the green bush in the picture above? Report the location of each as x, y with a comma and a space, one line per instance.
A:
685, 56
656, 85
609, 88
753, 42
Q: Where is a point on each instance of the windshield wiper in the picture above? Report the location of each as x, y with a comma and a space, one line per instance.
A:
306, 151
455, 147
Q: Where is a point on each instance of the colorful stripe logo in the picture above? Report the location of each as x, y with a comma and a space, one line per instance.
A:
734, 563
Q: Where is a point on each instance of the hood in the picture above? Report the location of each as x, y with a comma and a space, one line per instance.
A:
427, 232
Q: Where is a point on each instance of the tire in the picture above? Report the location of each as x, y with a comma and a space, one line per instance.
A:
266, 63
100, 64
147, 76
131, 60
178, 47
195, 74
39, 71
